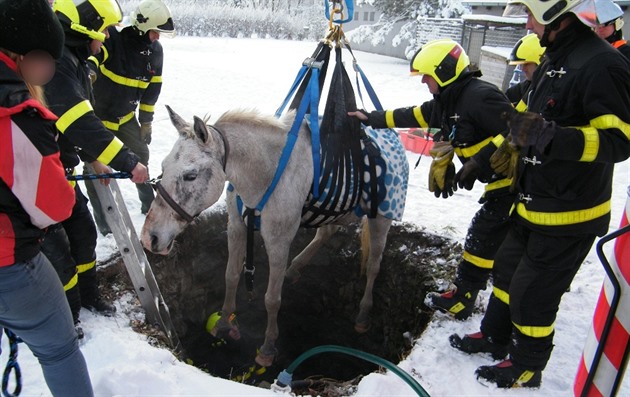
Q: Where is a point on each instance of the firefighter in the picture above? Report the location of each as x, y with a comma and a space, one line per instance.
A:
34, 194
526, 55
609, 24
128, 78
69, 96
466, 110
576, 128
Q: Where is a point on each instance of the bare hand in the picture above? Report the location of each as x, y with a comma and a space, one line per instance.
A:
140, 173
100, 168
358, 114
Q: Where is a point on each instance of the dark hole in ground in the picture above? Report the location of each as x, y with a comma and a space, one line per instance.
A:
317, 310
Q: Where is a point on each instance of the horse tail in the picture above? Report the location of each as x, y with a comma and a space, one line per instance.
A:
365, 244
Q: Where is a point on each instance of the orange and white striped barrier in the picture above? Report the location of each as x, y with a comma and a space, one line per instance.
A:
607, 347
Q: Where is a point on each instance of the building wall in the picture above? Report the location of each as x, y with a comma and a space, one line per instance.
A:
495, 68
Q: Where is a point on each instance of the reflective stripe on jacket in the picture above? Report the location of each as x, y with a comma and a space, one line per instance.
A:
69, 96
583, 85
129, 72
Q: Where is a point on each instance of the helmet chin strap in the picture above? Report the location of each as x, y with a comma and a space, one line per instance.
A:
553, 26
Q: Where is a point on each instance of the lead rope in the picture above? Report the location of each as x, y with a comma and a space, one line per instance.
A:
12, 365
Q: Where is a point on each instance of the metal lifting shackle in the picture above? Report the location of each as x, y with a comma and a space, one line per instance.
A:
335, 33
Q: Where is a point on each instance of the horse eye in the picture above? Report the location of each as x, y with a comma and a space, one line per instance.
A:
190, 176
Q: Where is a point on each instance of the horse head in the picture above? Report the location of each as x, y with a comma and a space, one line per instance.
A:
193, 178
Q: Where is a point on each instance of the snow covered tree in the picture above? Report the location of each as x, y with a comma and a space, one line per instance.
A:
397, 9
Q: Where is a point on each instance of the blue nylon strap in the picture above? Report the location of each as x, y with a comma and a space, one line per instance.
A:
368, 87
315, 143
288, 146
296, 83
349, 7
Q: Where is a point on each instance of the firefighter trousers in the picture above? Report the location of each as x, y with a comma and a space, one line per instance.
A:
532, 271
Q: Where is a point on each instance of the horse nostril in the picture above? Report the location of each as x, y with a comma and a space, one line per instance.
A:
154, 242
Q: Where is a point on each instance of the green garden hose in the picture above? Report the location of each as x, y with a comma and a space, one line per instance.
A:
286, 376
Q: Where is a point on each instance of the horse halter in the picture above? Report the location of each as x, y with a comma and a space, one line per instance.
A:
157, 186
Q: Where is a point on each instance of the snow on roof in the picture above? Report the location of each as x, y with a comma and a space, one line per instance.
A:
501, 51
493, 18
484, 2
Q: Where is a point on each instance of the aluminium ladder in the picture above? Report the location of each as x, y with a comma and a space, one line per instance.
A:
135, 259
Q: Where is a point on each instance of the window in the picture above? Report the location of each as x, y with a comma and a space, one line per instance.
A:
372, 16
356, 15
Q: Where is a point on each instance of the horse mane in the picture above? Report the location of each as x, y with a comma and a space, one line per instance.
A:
255, 119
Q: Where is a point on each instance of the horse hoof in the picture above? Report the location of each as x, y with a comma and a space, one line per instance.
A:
264, 360
224, 333
362, 327
234, 333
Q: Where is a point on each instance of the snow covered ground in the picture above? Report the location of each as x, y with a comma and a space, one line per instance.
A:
211, 75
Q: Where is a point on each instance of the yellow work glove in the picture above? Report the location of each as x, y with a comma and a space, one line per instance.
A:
442, 170
145, 132
504, 161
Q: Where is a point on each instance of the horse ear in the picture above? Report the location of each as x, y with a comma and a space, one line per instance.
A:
201, 130
177, 121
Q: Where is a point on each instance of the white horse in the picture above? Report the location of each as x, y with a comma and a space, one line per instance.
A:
243, 147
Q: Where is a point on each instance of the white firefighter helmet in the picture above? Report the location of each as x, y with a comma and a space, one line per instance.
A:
547, 11
609, 13
153, 15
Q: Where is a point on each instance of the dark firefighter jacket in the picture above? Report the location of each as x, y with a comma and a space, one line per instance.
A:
129, 71
69, 96
583, 85
468, 113
34, 192
622, 46
518, 95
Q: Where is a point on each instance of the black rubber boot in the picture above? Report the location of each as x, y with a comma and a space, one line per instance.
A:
458, 302
506, 375
90, 295
478, 343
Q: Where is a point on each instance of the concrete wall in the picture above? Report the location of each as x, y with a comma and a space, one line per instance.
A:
493, 65
382, 48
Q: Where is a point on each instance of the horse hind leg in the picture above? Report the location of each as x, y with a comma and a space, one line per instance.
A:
373, 240
322, 235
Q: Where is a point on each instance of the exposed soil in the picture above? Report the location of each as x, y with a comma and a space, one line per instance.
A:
317, 310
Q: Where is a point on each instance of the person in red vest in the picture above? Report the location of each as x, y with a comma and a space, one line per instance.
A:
34, 194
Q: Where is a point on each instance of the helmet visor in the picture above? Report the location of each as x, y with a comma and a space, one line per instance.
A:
517, 10
167, 29
586, 12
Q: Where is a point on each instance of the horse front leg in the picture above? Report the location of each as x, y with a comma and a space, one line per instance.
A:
237, 239
278, 254
373, 240
304, 258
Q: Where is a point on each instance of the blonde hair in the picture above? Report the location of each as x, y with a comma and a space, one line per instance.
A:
36, 91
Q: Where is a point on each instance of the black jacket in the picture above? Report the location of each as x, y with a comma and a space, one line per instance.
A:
129, 73
583, 85
468, 113
69, 96
518, 93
